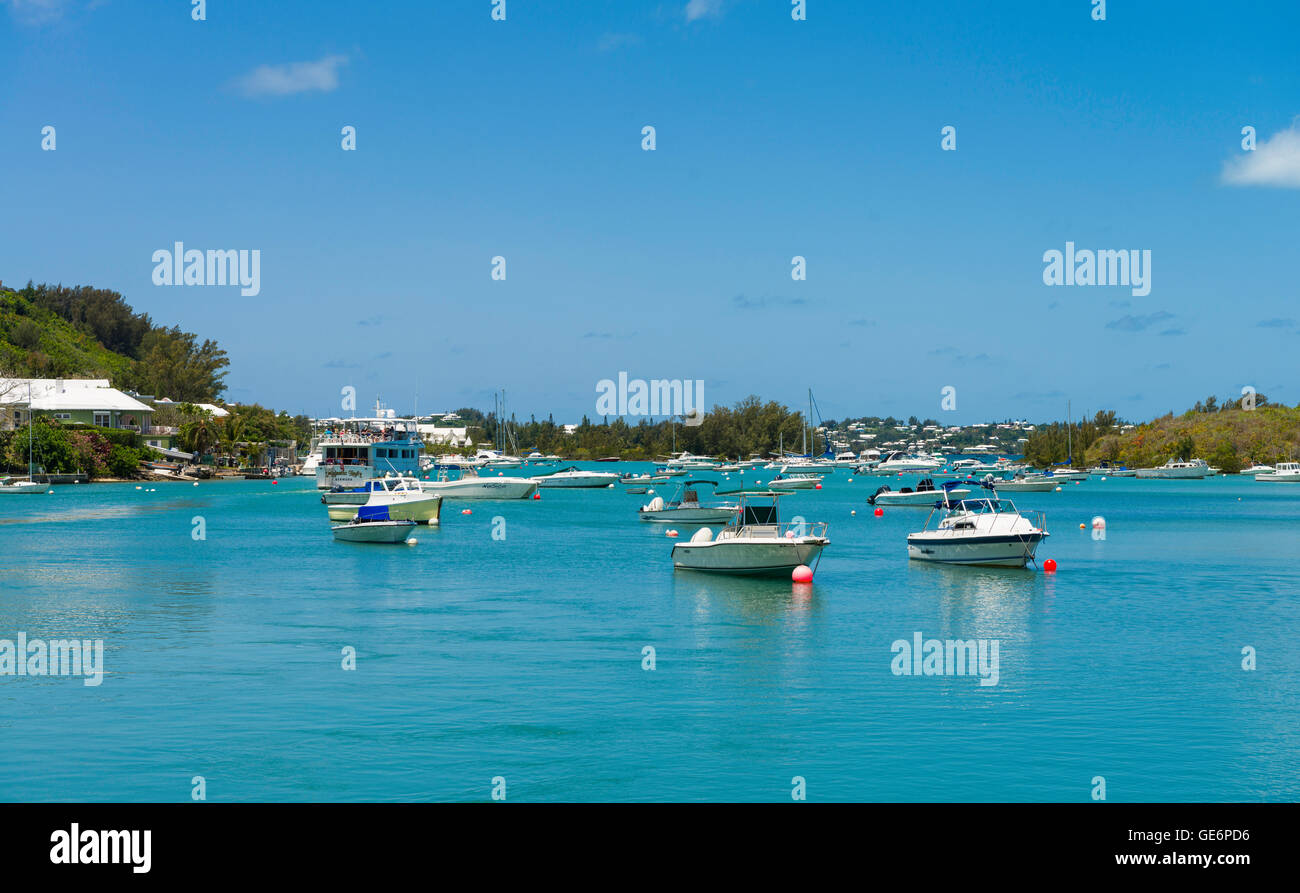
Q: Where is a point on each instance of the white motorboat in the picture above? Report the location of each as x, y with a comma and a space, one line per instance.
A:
573, 476
1284, 473
373, 527
472, 485
924, 494
1066, 473
755, 542
1176, 469
1112, 471
795, 480
496, 459
1258, 470
981, 531
403, 497
685, 507
900, 461
1023, 484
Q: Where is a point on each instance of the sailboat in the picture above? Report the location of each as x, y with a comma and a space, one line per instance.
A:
8, 487
1068, 472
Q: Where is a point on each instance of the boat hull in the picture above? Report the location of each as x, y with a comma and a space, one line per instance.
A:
987, 551
482, 488
585, 481
770, 558
21, 487
701, 515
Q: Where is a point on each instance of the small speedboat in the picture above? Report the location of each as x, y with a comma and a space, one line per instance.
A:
755, 542
685, 507
573, 476
924, 494
1112, 471
1022, 484
983, 531
1258, 469
794, 480
372, 525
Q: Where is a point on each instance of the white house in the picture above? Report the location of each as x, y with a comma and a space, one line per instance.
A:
88, 401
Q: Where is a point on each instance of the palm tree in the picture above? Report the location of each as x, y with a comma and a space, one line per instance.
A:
199, 430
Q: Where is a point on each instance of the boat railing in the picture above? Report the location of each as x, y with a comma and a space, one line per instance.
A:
791, 529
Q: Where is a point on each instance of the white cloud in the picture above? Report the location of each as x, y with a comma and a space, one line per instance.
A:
699, 9
1275, 162
292, 77
37, 12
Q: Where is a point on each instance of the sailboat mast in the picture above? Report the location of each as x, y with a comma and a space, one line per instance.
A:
1069, 436
29, 429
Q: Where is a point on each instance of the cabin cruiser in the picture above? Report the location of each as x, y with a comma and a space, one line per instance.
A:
1176, 469
924, 494
404, 498
1258, 469
685, 507
1066, 473
794, 480
573, 476
755, 542
496, 459
689, 462
471, 486
1284, 473
981, 531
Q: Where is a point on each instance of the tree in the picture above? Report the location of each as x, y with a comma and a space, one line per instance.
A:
199, 431
175, 365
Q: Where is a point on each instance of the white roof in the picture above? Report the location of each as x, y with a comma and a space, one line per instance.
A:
55, 394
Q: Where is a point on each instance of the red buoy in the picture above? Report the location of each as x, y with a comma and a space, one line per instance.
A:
537, 496
880, 513
802, 574
1049, 566
466, 512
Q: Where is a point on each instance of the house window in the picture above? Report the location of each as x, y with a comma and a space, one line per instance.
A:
103, 420
63, 415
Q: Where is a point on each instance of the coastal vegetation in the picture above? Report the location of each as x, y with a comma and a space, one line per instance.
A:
1223, 433
53, 331
73, 449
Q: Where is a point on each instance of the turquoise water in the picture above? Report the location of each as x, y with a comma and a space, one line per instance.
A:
522, 657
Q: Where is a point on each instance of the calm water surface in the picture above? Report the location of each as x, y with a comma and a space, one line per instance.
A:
522, 657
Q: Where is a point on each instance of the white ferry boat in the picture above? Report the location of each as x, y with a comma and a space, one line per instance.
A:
353, 451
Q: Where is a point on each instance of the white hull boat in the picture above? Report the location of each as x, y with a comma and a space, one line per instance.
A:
686, 508
14, 488
1027, 485
755, 543
374, 531
472, 486
986, 531
924, 495
1175, 470
1285, 473
576, 477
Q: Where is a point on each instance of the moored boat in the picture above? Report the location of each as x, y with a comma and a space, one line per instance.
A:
984, 531
685, 507
756, 542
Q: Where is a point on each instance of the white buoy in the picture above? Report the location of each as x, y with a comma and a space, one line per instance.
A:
412, 542
1058, 488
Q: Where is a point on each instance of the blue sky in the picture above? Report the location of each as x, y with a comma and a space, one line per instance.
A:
774, 138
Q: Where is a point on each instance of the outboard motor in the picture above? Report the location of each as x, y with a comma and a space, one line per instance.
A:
871, 500
656, 505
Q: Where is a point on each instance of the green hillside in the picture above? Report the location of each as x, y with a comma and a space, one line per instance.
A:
36, 342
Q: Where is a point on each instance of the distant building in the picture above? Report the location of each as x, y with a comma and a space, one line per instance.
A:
453, 437
86, 401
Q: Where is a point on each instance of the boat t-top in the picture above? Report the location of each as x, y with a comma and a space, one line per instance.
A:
981, 531
755, 542
685, 507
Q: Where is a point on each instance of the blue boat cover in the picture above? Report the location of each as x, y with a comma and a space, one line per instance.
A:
373, 513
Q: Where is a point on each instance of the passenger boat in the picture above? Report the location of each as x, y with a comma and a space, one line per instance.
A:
573, 476
982, 531
924, 494
354, 451
755, 542
685, 507
404, 498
